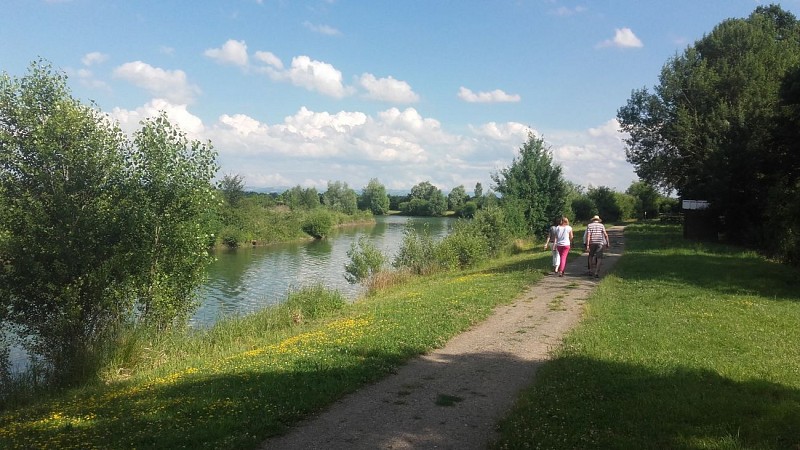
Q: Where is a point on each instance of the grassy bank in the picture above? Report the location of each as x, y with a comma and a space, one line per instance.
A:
249, 378
686, 345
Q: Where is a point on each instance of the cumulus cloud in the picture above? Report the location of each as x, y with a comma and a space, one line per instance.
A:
178, 114
270, 59
232, 52
623, 38
495, 96
594, 157
171, 85
93, 58
313, 75
322, 29
387, 89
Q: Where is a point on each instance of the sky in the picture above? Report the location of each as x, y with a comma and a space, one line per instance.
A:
310, 92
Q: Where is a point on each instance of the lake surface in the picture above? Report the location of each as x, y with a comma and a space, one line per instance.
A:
247, 279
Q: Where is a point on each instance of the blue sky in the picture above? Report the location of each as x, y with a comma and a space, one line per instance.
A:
306, 92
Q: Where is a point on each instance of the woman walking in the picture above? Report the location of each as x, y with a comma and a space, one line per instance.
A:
563, 243
551, 239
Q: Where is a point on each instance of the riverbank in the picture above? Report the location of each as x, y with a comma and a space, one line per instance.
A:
243, 382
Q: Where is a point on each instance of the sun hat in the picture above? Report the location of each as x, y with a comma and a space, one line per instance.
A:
596, 219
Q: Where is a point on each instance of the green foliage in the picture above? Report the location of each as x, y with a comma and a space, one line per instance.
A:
608, 207
339, 197
318, 223
464, 247
425, 200
232, 187
416, 251
96, 226
313, 302
299, 198
365, 261
533, 186
374, 198
468, 210
647, 200
583, 208
456, 198
710, 128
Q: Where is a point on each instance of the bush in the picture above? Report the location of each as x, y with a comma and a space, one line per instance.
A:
318, 223
464, 247
416, 251
314, 301
365, 261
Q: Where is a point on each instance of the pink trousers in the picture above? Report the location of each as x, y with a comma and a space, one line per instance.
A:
563, 250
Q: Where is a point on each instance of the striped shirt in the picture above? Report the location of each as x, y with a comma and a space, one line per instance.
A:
594, 234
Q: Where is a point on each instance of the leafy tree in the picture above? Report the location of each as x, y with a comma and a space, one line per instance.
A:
300, 198
456, 198
708, 128
647, 199
232, 187
532, 186
478, 192
96, 226
605, 199
339, 197
375, 198
425, 200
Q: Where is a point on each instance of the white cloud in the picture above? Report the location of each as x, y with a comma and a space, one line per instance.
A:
270, 59
509, 131
313, 75
178, 115
594, 157
93, 58
387, 89
495, 96
168, 84
322, 29
232, 52
623, 38
565, 11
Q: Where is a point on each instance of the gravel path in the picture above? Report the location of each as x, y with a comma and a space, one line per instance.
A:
452, 397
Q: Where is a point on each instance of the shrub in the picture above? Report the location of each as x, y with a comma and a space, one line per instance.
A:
314, 301
365, 261
318, 223
416, 251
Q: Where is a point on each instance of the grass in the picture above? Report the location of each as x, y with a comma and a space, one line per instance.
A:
686, 345
249, 378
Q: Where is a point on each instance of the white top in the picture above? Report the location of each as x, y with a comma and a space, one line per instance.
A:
562, 235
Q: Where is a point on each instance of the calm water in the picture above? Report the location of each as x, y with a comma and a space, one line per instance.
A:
247, 279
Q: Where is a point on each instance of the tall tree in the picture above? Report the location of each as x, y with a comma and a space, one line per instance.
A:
232, 187
375, 198
425, 200
707, 128
457, 197
95, 225
339, 197
532, 187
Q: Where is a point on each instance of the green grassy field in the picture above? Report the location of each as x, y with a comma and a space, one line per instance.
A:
685, 346
249, 378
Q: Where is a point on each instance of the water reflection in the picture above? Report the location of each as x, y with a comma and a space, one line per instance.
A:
247, 279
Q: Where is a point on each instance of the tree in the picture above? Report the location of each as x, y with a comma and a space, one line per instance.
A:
232, 187
647, 199
456, 198
478, 192
608, 206
96, 226
299, 198
375, 198
708, 128
425, 200
532, 186
339, 197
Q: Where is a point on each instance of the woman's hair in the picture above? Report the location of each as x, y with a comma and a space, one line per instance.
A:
564, 221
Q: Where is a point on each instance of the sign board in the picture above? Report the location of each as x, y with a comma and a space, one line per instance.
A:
694, 204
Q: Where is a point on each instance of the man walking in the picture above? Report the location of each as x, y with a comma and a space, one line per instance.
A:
596, 239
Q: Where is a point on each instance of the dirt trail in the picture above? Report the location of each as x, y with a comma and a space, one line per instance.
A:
453, 397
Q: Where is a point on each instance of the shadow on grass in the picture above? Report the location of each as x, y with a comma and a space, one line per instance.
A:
585, 403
